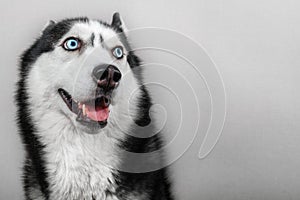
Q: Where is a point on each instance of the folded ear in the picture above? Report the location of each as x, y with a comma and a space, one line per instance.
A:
118, 23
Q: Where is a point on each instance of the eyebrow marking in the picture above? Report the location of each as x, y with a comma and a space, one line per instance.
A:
101, 38
92, 39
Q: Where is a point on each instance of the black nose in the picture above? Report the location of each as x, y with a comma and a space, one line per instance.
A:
107, 76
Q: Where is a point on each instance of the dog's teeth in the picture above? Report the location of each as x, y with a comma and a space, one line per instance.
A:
83, 110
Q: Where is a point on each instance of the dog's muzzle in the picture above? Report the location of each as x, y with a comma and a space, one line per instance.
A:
95, 110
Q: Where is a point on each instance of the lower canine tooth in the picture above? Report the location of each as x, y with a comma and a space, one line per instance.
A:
83, 110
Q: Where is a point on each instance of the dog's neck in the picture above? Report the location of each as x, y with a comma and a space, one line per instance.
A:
78, 164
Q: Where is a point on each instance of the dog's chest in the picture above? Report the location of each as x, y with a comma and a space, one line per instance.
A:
82, 182
81, 168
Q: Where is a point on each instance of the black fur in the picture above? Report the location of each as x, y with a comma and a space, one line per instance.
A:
155, 183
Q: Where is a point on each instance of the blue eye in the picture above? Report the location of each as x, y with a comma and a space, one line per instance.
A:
72, 44
118, 52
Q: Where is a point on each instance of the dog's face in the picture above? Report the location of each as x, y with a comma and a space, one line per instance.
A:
84, 75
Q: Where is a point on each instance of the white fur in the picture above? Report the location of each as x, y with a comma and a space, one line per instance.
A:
79, 164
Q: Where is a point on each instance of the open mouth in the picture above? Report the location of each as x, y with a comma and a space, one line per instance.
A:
91, 111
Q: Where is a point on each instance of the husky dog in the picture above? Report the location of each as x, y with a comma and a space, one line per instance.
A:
76, 85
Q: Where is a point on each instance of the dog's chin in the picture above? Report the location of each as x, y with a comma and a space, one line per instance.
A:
90, 127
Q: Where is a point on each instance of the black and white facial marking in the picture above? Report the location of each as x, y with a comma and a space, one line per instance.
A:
72, 98
85, 74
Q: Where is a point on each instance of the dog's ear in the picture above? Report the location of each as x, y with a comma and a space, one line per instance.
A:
118, 23
48, 26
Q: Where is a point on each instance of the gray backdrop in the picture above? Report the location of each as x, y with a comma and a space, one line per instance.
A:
255, 45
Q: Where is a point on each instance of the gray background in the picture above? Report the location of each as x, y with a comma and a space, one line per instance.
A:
255, 45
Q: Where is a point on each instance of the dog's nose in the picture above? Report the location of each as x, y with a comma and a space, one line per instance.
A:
107, 76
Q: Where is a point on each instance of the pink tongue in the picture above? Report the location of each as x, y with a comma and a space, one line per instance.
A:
98, 114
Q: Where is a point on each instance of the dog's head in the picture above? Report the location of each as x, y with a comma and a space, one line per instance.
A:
83, 70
